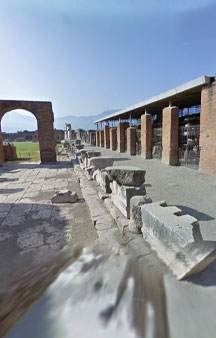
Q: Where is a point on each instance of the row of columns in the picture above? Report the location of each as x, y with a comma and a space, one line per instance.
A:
114, 139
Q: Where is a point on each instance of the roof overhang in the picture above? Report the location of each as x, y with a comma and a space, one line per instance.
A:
186, 95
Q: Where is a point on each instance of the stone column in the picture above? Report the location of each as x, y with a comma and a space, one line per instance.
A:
102, 138
131, 141
106, 137
1, 148
113, 138
208, 130
98, 138
46, 136
146, 136
121, 136
170, 135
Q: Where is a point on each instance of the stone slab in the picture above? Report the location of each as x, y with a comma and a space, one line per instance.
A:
127, 175
101, 162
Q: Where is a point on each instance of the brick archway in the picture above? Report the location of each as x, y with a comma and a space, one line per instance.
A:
44, 116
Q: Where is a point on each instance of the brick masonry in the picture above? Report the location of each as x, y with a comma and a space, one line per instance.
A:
102, 138
208, 130
44, 115
98, 138
146, 136
113, 138
170, 135
106, 137
131, 141
121, 136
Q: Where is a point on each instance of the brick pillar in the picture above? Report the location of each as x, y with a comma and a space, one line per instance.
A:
170, 135
101, 138
1, 148
131, 141
208, 130
113, 138
98, 138
146, 136
106, 137
121, 136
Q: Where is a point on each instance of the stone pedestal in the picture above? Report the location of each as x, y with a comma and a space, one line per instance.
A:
146, 136
106, 137
131, 141
113, 138
208, 130
121, 136
170, 135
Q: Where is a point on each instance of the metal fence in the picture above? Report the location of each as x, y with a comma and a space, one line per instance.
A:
189, 149
157, 143
138, 142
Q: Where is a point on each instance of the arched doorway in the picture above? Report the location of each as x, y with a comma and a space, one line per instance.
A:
44, 115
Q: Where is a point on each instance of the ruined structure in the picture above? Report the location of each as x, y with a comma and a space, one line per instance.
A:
177, 126
44, 115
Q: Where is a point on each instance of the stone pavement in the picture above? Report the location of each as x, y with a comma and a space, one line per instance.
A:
31, 228
194, 193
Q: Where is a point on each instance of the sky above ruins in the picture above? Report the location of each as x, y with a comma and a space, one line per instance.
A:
87, 56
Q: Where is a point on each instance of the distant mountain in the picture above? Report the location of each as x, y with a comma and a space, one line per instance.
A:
13, 121
83, 122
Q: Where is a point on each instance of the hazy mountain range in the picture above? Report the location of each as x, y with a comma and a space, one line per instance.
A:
14, 121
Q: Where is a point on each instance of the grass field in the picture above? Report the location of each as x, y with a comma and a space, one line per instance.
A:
27, 151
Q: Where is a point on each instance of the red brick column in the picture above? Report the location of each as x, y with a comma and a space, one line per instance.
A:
113, 138
46, 136
131, 141
1, 148
121, 136
98, 138
146, 136
102, 138
106, 137
208, 130
170, 135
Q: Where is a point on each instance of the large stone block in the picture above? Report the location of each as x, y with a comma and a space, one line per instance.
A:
121, 196
101, 162
136, 202
167, 224
127, 175
177, 239
103, 180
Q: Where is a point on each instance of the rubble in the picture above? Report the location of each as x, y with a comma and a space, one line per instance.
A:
65, 196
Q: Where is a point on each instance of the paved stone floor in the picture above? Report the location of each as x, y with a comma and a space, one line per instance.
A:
31, 227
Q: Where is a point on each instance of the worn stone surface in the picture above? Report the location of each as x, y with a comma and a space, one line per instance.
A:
127, 175
122, 194
136, 202
167, 224
32, 228
92, 153
101, 162
103, 180
65, 196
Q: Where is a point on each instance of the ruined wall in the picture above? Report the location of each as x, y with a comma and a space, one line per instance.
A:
44, 115
208, 130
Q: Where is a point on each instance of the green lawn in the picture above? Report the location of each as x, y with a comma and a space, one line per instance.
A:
27, 151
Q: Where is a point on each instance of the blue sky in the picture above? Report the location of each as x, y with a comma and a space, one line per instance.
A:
95, 55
